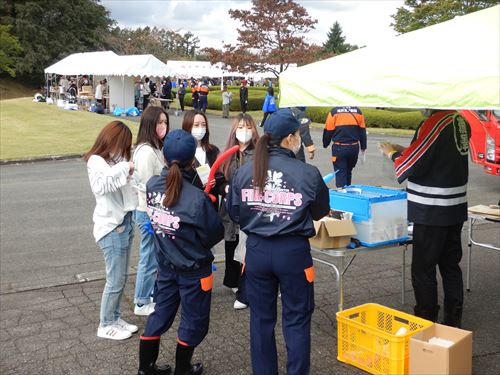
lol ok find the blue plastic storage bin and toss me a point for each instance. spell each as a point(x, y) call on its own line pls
point(379, 214)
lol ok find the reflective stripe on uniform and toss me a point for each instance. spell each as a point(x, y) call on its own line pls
point(437, 201)
point(436, 190)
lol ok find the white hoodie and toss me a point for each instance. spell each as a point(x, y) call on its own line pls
point(114, 193)
point(148, 162)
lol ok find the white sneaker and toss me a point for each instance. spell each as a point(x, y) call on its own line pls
point(113, 332)
point(144, 310)
point(126, 326)
point(235, 290)
point(239, 305)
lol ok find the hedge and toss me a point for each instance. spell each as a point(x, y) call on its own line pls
point(374, 118)
point(256, 97)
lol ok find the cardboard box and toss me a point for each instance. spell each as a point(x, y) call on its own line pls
point(332, 233)
point(426, 358)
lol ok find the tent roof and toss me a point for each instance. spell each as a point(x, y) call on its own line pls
point(454, 64)
point(196, 69)
point(144, 65)
point(108, 63)
point(98, 63)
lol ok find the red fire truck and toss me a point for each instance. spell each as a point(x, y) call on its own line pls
point(485, 139)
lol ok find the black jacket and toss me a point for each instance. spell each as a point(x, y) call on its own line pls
point(231, 229)
point(243, 94)
point(436, 165)
point(293, 197)
point(185, 232)
point(212, 155)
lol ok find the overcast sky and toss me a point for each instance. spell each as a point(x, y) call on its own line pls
point(363, 21)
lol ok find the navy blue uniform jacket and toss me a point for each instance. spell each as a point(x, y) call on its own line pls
point(294, 196)
point(185, 232)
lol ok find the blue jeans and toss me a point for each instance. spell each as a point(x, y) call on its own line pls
point(148, 265)
point(115, 247)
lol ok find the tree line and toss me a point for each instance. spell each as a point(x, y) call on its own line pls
point(37, 33)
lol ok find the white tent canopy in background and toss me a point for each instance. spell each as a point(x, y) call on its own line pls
point(451, 65)
point(144, 66)
point(119, 70)
point(97, 63)
point(196, 69)
point(108, 63)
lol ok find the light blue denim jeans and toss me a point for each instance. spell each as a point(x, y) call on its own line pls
point(115, 247)
point(148, 265)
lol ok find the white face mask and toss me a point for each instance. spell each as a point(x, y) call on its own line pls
point(296, 147)
point(198, 133)
point(243, 135)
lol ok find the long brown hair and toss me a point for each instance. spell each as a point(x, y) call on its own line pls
point(261, 159)
point(232, 141)
point(187, 125)
point(114, 140)
point(173, 182)
point(147, 127)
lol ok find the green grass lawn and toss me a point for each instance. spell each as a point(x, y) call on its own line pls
point(29, 129)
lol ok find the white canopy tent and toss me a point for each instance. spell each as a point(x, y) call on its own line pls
point(199, 69)
point(119, 71)
point(451, 65)
point(96, 63)
point(195, 69)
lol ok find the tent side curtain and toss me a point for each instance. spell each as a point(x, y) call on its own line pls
point(451, 65)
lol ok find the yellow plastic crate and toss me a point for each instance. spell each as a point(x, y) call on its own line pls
point(367, 338)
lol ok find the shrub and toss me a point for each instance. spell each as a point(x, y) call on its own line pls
point(255, 98)
point(375, 118)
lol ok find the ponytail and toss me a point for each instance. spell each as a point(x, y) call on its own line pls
point(260, 162)
point(173, 184)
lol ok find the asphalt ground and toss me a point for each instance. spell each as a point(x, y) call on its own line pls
point(52, 273)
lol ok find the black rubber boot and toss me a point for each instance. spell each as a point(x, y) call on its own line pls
point(148, 354)
point(428, 314)
point(453, 315)
point(183, 365)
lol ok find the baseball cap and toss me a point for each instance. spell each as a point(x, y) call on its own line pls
point(179, 145)
point(281, 123)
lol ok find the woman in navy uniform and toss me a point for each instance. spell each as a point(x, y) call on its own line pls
point(186, 227)
point(275, 199)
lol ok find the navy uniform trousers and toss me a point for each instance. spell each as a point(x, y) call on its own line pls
point(193, 292)
point(281, 262)
point(203, 103)
point(439, 246)
point(344, 158)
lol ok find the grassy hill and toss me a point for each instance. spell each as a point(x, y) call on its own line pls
point(10, 89)
point(29, 129)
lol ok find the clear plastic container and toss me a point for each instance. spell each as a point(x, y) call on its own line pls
point(380, 215)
